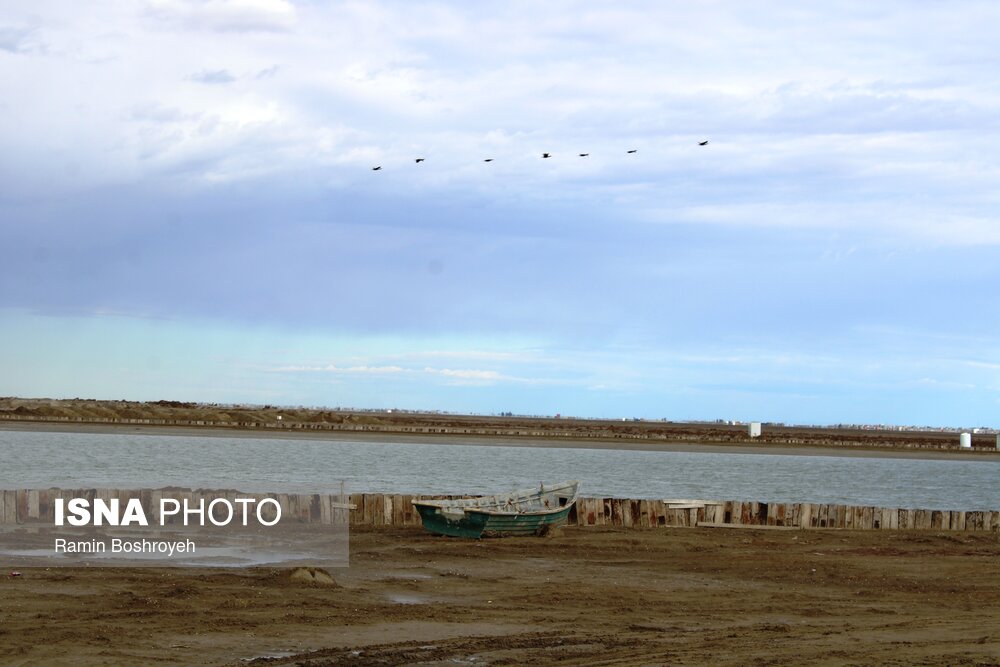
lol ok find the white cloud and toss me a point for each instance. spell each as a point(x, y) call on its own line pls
point(224, 15)
point(470, 376)
point(213, 77)
point(797, 106)
point(332, 368)
point(15, 39)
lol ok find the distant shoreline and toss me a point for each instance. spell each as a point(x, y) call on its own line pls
point(500, 441)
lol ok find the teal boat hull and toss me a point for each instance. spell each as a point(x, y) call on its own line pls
point(476, 524)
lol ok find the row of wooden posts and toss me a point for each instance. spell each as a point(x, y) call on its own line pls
point(37, 506)
point(397, 510)
point(382, 510)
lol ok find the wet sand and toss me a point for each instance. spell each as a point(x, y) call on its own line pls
point(694, 596)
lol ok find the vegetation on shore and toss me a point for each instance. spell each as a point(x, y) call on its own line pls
point(180, 413)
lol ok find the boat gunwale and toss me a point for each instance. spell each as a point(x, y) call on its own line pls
point(448, 503)
point(476, 510)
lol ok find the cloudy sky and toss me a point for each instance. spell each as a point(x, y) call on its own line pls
point(188, 208)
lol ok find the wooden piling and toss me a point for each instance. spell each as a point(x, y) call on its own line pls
point(746, 513)
point(658, 513)
point(805, 515)
point(616, 512)
point(18, 506)
point(10, 507)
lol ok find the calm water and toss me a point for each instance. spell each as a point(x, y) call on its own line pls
point(72, 460)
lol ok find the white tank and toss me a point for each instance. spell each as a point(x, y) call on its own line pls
point(965, 441)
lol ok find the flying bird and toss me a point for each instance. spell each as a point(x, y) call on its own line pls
point(376, 168)
point(703, 143)
point(632, 151)
point(419, 160)
point(544, 155)
point(489, 159)
point(584, 154)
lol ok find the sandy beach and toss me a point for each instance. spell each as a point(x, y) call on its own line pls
point(601, 596)
point(692, 596)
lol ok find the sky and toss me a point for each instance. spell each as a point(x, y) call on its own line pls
point(189, 210)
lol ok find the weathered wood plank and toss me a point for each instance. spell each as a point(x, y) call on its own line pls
point(22, 505)
point(326, 510)
point(389, 508)
point(727, 512)
point(644, 513)
point(805, 515)
point(316, 502)
point(628, 515)
point(592, 510)
point(792, 515)
point(10, 507)
point(33, 508)
point(358, 514)
point(369, 509)
point(411, 513)
point(286, 506)
point(398, 510)
point(616, 512)
point(780, 514)
point(658, 515)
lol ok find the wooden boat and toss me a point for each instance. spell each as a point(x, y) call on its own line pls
point(525, 512)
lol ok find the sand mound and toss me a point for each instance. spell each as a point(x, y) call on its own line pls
point(312, 575)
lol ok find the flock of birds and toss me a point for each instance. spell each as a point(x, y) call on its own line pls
point(544, 156)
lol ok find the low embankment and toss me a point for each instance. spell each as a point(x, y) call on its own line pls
point(558, 430)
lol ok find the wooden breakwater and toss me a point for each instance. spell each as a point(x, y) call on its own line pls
point(36, 506)
point(397, 510)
